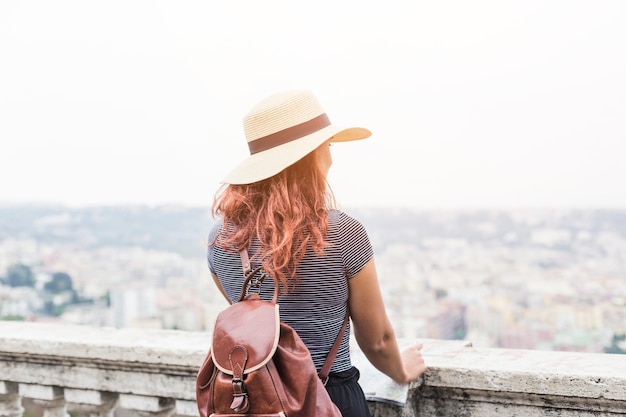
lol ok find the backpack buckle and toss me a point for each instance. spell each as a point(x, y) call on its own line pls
point(254, 282)
point(240, 403)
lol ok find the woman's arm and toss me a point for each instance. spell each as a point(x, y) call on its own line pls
point(374, 333)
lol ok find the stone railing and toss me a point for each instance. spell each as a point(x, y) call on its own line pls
point(62, 368)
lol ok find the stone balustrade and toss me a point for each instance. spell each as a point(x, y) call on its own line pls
point(152, 373)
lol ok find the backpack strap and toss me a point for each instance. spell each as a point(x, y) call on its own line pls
point(249, 277)
point(245, 261)
point(328, 363)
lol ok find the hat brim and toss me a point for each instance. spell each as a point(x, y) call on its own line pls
point(268, 163)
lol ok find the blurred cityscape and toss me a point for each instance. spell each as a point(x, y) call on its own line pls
point(532, 279)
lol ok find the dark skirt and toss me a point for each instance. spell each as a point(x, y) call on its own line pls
point(346, 393)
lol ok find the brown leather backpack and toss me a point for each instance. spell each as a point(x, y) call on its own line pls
point(258, 366)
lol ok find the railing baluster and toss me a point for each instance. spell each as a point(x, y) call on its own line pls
point(10, 400)
point(50, 398)
point(186, 408)
point(148, 406)
point(94, 403)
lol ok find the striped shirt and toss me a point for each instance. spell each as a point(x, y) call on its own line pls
point(316, 307)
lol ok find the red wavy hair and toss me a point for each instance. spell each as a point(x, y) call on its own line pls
point(287, 213)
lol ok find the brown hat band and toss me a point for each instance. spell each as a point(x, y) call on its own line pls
point(287, 135)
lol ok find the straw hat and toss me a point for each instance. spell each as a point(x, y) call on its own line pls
point(281, 130)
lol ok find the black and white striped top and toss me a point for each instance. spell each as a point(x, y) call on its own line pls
point(317, 306)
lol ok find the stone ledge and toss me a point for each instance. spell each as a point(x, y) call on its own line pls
point(460, 380)
point(34, 341)
point(581, 375)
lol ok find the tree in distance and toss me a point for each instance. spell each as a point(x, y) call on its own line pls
point(20, 275)
point(60, 282)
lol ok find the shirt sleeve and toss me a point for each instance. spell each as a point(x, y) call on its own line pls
point(211, 248)
point(355, 245)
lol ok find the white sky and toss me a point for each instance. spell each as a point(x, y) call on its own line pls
point(472, 103)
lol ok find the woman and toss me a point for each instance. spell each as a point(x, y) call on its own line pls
point(277, 204)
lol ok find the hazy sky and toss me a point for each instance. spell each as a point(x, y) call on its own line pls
point(472, 103)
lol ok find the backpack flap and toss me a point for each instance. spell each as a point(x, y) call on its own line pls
point(245, 336)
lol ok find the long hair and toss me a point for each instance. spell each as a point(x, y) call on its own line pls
point(287, 213)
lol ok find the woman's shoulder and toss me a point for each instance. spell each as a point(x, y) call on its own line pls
point(342, 220)
point(341, 215)
point(214, 230)
point(352, 241)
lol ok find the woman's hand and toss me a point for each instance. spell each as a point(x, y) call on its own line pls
point(413, 362)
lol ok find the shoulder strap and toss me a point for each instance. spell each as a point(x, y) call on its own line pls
point(245, 261)
point(328, 363)
point(249, 277)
